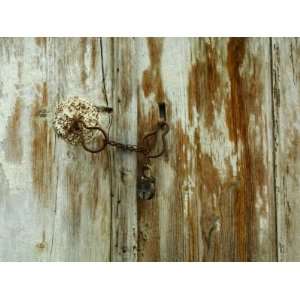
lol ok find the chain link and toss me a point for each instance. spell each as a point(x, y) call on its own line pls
point(128, 147)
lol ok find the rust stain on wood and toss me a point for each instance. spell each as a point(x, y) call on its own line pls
point(152, 81)
point(94, 53)
point(83, 74)
point(73, 183)
point(83, 186)
point(293, 154)
point(194, 95)
point(43, 244)
point(209, 191)
point(186, 193)
point(14, 149)
point(41, 41)
point(244, 103)
point(98, 163)
point(218, 198)
point(126, 76)
point(237, 124)
point(236, 107)
point(42, 147)
point(148, 211)
point(95, 186)
point(241, 105)
point(204, 81)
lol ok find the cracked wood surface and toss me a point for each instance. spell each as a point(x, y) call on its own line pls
point(228, 188)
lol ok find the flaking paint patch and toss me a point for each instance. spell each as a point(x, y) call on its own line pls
point(94, 53)
point(203, 87)
point(83, 48)
point(245, 99)
point(149, 243)
point(83, 177)
point(236, 103)
point(41, 41)
point(238, 129)
point(73, 183)
point(98, 164)
point(293, 154)
point(189, 194)
point(4, 183)
point(42, 148)
point(126, 74)
point(14, 147)
point(209, 190)
point(216, 190)
point(152, 80)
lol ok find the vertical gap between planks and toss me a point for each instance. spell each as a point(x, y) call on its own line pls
point(274, 145)
point(108, 150)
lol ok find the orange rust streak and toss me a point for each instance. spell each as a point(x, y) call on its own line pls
point(203, 86)
point(126, 77)
point(184, 167)
point(238, 125)
point(209, 189)
point(73, 180)
point(148, 211)
point(206, 99)
point(94, 53)
point(41, 41)
point(152, 81)
point(42, 149)
point(14, 149)
point(83, 74)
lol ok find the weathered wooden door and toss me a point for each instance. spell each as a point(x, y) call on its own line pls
point(227, 190)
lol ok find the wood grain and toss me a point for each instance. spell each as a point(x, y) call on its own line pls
point(215, 199)
point(227, 188)
point(56, 204)
point(285, 73)
point(83, 209)
point(123, 164)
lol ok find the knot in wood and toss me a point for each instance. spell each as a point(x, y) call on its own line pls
point(67, 115)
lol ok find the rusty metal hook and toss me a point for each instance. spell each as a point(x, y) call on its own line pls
point(160, 125)
point(105, 140)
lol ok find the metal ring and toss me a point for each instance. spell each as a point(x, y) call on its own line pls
point(104, 143)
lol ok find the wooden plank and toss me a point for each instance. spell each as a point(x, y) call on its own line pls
point(161, 71)
point(83, 211)
point(61, 211)
point(286, 93)
point(230, 99)
point(215, 199)
point(27, 153)
point(122, 78)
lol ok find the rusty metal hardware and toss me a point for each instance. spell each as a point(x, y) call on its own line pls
point(77, 121)
point(144, 149)
point(146, 182)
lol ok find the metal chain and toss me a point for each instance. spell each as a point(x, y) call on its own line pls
point(146, 183)
point(129, 147)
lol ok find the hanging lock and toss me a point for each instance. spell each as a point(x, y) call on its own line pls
point(146, 185)
point(77, 121)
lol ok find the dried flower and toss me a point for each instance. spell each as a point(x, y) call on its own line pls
point(66, 118)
